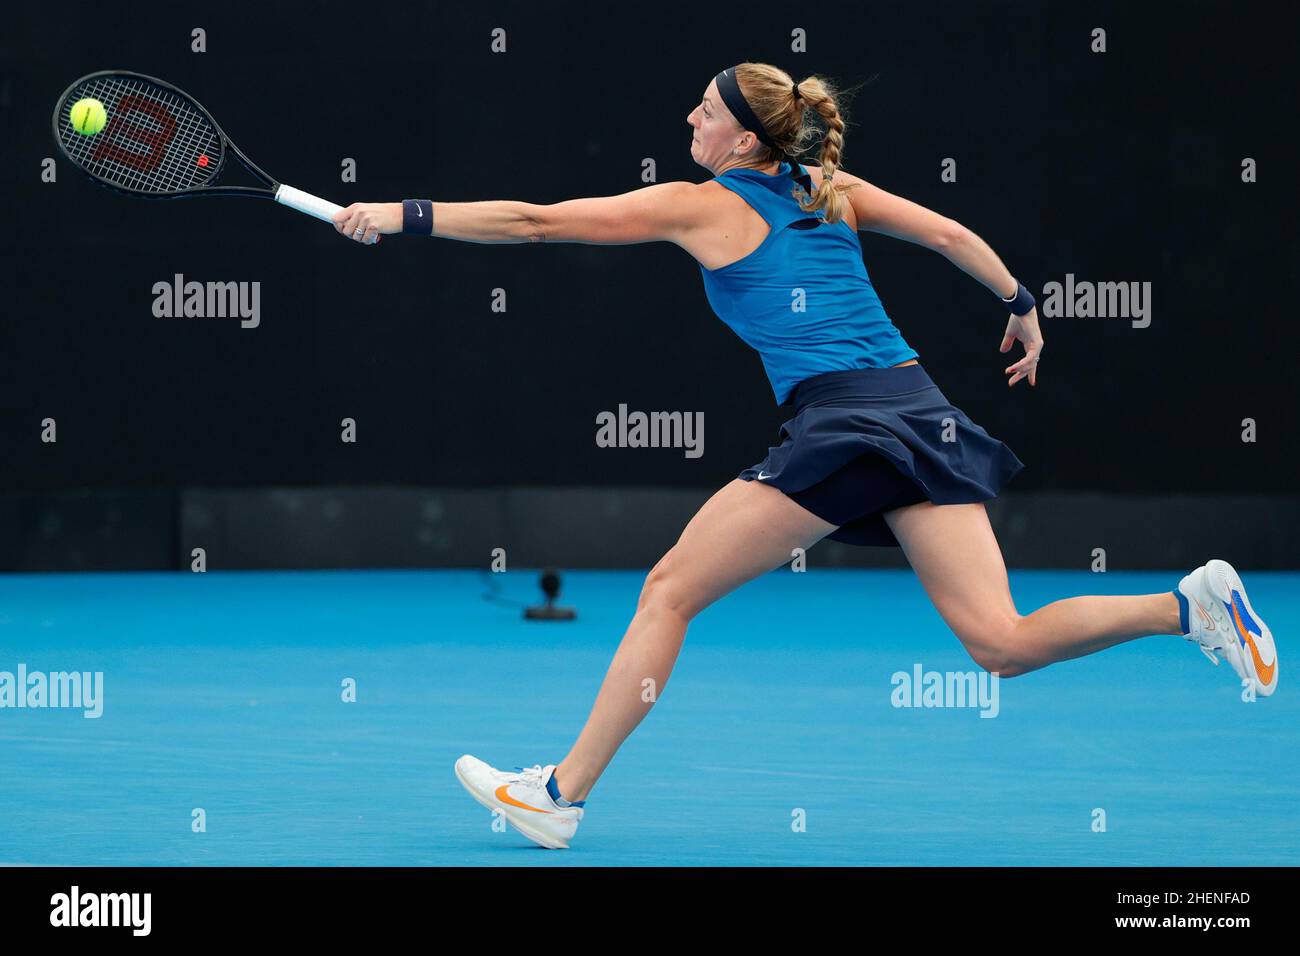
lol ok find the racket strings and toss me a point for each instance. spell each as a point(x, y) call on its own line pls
point(155, 141)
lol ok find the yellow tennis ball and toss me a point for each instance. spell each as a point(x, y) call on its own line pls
point(88, 116)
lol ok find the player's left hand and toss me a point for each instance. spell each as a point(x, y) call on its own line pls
point(1024, 329)
point(365, 222)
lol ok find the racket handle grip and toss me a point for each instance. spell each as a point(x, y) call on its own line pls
point(305, 202)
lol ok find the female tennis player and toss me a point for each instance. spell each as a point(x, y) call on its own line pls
point(874, 454)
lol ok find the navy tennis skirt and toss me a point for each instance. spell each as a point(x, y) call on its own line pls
point(865, 441)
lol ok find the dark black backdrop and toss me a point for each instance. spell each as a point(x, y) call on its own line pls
point(1123, 166)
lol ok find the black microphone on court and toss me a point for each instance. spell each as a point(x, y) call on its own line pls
point(550, 611)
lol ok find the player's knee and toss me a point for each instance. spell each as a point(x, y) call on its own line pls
point(663, 591)
point(993, 645)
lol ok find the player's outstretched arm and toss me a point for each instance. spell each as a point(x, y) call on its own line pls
point(662, 212)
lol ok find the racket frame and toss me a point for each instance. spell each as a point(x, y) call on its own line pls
point(227, 145)
point(283, 194)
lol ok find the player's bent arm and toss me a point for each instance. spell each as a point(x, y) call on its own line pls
point(890, 215)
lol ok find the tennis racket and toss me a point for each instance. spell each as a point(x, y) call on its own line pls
point(159, 143)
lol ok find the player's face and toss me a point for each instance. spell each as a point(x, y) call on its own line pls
point(714, 130)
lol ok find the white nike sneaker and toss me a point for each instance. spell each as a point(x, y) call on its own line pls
point(1221, 619)
point(523, 798)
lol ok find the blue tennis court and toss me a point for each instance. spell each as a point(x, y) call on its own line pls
point(224, 691)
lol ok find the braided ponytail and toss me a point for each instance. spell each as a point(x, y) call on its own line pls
point(783, 105)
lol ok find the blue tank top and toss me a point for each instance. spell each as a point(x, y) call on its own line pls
point(837, 322)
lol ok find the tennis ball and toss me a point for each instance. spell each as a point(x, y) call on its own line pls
point(88, 116)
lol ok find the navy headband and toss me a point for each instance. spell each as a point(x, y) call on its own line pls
point(729, 90)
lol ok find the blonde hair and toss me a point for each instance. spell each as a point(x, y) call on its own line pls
point(770, 94)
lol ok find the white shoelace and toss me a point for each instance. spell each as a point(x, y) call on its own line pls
point(531, 776)
point(1214, 641)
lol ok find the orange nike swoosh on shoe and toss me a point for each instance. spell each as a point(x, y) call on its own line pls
point(503, 794)
point(1265, 671)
